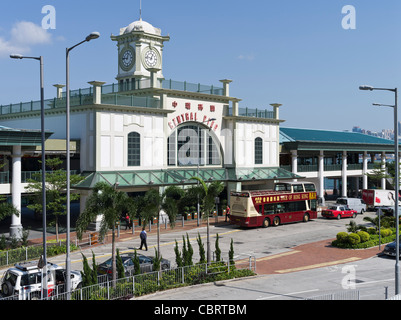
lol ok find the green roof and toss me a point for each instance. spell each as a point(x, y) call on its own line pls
point(181, 176)
point(21, 137)
point(314, 139)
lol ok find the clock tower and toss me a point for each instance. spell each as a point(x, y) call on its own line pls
point(140, 52)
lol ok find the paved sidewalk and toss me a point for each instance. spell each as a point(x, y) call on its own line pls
point(312, 255)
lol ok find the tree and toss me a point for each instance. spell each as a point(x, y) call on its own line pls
point(89, 276)
point(218, 250)
point(201, 249)
point(94, 269)
point(190, 252)
point(155, 202)
point(231, 254)
point(137, 266)
point(210, 193)
point(178, 257)
point(120, 266)
point(156, 261)
point(56, 184)
point(6, 209)
point(109, 202)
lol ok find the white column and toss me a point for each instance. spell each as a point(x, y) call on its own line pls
point(383, 170)
point(365, 170)
point(16, 226)
point(97, 91)
point(321, 176)
point(344, 174)
point(226, 87)
point(294, 162)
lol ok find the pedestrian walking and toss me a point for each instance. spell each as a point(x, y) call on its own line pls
point(143, 237)
point(127, 222)
point(228, 213)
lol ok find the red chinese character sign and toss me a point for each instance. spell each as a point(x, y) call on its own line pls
point(189, 111)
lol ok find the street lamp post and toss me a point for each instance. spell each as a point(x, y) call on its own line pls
point(397, 182)
point(198, 209)
point(42, 121)
point(92, 36)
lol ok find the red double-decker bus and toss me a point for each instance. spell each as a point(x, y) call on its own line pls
point(288, 202)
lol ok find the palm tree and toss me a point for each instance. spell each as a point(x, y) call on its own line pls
point(109, 202)
point(211, 192)
point(167, 201)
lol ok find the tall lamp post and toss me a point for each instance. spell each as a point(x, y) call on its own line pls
point(42, 121)
point(92, 36)
point(197, 168)
point(397, 182)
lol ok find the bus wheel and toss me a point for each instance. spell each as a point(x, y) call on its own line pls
point(276, 221)
point(266, 223)
point(306, 217)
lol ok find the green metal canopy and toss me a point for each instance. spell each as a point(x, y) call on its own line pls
point(181, 176)
point(328, 140)
point(20, 137)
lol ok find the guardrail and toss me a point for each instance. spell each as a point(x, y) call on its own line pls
point(137, 285)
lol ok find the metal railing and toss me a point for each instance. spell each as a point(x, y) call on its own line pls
point(342, 295)
point(137, 285)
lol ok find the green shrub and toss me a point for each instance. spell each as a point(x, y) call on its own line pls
point(353, 238)
point(363, 235)
point(385, 232)
point(372, 231)
point(342, 236)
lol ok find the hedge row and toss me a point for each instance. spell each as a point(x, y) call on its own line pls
point(362, 239)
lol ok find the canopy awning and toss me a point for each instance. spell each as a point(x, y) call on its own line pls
point(181, 176)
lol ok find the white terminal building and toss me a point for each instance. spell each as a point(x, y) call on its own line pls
point(148, 132)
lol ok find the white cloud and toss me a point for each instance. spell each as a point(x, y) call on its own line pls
point(24, 35)
point(248, 57)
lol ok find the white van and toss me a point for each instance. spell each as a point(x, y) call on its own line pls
point(353, 203)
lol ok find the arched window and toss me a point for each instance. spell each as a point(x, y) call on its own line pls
point(134, 149)
point(258, 151)
point(186, 148)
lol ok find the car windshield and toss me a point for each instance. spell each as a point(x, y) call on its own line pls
point(333, 208)
point(144, 259)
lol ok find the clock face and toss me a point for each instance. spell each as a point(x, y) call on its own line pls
point(151, 58)
point(127, 58)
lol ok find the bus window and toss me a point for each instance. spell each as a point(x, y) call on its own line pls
point(280, 208)
point(309, 187)
point(282, 187)
point(298, 188)
point(313, 205)
point(269, 208)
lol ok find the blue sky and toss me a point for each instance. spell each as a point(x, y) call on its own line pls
point(291, 52)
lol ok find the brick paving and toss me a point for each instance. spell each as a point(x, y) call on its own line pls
point(312, 255)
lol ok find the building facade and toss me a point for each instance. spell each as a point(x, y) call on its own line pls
point(148, 132)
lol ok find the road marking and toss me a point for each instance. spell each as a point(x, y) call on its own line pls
point(319, 265)
point(287, 294)
point(279, 255)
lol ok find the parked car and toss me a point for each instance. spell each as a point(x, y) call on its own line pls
point(389, 249)
point(338, 212)
point(24, 280)
point(145, 262)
